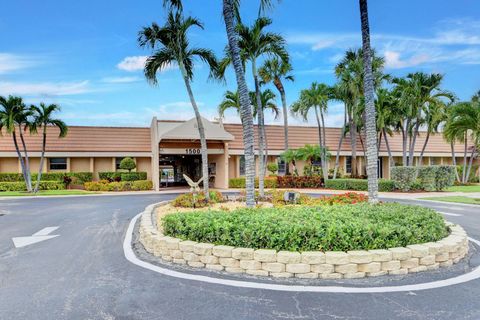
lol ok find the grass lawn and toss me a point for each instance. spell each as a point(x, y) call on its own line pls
point(472, 188)
point(457, 199)
point(45, 193)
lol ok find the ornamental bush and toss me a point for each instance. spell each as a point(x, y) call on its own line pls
point(431, 178)
point(198, 200)
point(272, 167)
point(404, 177)
point(106, 185)
point(133, 176)
point(427, 177)
point(299, 181)
point(128, 163)
point(20, 186)
point(239, 183)
point(305, 228)
point(77, 177)
point(445, 177)
point(384, 185)
point(110, 175)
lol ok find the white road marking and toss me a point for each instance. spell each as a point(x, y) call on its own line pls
point(450, 214)
point(39, 236)
point(130, 256)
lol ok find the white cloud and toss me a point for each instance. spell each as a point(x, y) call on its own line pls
point(45, 88)
point(393, 60)
point(136, 63)
point(121, 79)
point(10, 62)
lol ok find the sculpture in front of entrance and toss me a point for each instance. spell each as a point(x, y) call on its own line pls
point(193, 185)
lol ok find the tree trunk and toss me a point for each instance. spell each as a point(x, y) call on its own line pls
point(324, 149)
point(201, 131)
point(464, 160)
point(413, 141)
point(337, 158)
point(42, 158)
point(261, 132)
point(454, 161)
point(390, 158)
point(285, 122)
point(404, 146)
point(27, 162)
point(353, 142)
point(371, 128)
point(470, 162)
point(420, 159)
point(246, 112)
point(20, 157)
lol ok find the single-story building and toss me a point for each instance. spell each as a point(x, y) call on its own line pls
point(168, 149)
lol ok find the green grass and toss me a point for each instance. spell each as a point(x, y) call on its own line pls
point(456, 199)
point(45, 193)
point(472, 188)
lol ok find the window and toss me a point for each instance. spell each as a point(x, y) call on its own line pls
point(282, 166)
point(348, 164)
point(434, 161)
point(117, 163)
point(58, 163)
point(242, 165)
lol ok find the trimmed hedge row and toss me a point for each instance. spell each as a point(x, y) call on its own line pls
point(20, 186)
point(77, 177)
point(299, 182)
point(239, 183)
point(431, 178)
point(122, 176)
point(105, 185)
point(303, 228)
point(359, 185)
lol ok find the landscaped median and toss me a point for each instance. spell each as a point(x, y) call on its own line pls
point(303, 241)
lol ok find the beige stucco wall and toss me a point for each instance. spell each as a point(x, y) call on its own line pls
point(221, 170)
point(79, 164)
point(145, 164)
point(102, 164)
point(9, 165)
point(233, 167)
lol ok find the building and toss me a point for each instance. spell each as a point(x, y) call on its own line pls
point(168, 149)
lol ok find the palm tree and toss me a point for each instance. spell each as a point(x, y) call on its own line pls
point(385, 104)
point(254, 42)
point(316, 98)
point(435, 115)
point(312, 153)
point(11, 116)
point(170, 45)
point(43, 117)
point(290, 156)
point(231, 100)
point(274, 70)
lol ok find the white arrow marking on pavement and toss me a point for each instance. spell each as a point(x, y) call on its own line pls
point(39, 236)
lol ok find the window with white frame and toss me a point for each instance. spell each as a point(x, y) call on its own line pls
point(58, 163)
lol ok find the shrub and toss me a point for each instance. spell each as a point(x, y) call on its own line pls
point(80, 177)
point(473, 172)
point(110, 175)
point(20, 186)
point(309, 170)
point(299, 181)
point(384, 185)
point(106, 185)
point(198, 200)
point(272, 167)
point(445, 177)
point(133, 176)
point(427, 176)
point(302, 228)
point(239, 183)
point(404, 177)
point(277, 198)
point(128, 163)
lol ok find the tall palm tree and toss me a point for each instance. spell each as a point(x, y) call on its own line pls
point(315, 98)
point(371, 128)
point(435, 115)
point(255, 42)
point(274, 70)
point(11, 117)
point(43, 118)
point(170, 45)
point(385, 104)
point(231, 100)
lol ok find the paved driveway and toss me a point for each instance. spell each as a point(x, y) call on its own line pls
point(83, 274)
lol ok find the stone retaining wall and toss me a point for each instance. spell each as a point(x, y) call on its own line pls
point(313, 264)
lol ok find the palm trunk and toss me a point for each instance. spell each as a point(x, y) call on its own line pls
point(42, 158)
point(20, 157)
point(371, 128)
point(470, 162)
point(337, 158)
point(246, 112)
point(390, 158)
point(261, 133)
point(414, 140)
point(404, 144)
point(285, 122)
point(464, 160)
point(420, 159)
point(454, 161)
point(27, 162)
point(201, 131)
point(323, 150)
point(353, 142)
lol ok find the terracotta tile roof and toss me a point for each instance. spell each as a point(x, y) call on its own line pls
point(86, 139)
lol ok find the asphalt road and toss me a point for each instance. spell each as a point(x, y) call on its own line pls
point(83, 274)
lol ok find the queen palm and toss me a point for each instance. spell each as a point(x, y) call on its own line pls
point(254, 43)
point(274, 70)
point(44, 118)
point(315, 98)
point(170, 45)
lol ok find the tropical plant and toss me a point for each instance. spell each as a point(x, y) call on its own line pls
point(231, 100)
point(44, 118)
point(385, 106)
point(274, 70)
point(170, 45)
point(315, 98)
point(290, 156)
point(128, 163)
point(313, 153)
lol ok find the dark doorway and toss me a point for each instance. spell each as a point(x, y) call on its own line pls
point(173, 167)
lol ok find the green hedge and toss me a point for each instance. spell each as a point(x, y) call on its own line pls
point(358, 184)
point(109, 175)
point(239, 183)
point(77, 177)
point(138, 185)
point(302, 228)
point(431, 178)
point(473, 172)
point(20, 186)
point(122, 176)
point(299, 181)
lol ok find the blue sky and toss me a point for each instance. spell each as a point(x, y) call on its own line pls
point(84, 56)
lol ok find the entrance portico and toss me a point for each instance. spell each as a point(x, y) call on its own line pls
point(176, 151)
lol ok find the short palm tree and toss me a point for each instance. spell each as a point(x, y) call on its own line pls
point(274, 70)
point(268, 102)
point(231, 100)
point(170, 45)
point(44, 118)
point(315, 98)
point(14, 114)
point(290, 156)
